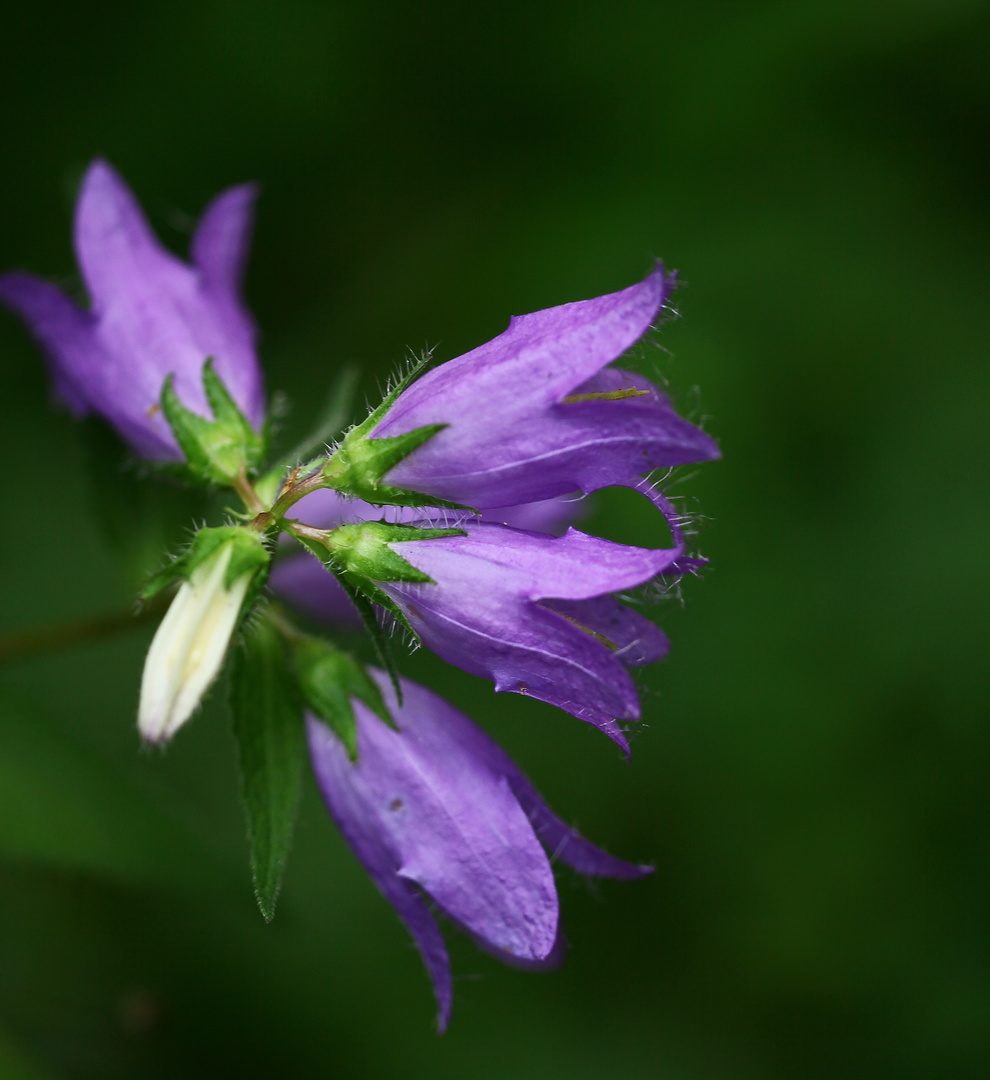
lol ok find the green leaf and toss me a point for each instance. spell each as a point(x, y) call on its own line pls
point(268, 727)
point(329, 679)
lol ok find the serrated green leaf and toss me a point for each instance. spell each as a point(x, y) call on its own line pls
point(268, 728)
point(329, 679)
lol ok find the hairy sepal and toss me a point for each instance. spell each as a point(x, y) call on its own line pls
point(249, 556)
point(217, 450)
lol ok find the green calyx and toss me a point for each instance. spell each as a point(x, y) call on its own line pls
point(359, 557)
point(217, 451)
point(248, 555)
point(359, 463)
point(329, 680)
point(363, 549)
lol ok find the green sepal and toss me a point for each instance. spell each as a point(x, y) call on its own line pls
point(363, 549)
point(249, 556)
point(328, 680)
point(362, 593)
point(371, 421)
point(168, 575)
point(215, 450)
point(357, 466)
point(267, 717)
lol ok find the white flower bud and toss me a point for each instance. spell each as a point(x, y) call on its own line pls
point(189, 646)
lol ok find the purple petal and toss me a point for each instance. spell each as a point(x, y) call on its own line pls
point(326, 509)
point(636, 640)
point(114, 243)
point(305, 583)
point(562, 842)
point(552, 516)
point(346, 804)
point(567, 844)
point(559, 839)
point(540, 446)
point(480, 613)
point(459, 831)
point(63, 330)
point(423, 805)
point(223, 238)
point(552, 961)
point(575, 566)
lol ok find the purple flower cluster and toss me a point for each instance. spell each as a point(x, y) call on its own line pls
point(523, 426)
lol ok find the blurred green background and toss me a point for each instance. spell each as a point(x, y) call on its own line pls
point(810, 775)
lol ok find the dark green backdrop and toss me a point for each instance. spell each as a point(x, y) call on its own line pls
point(810, 779)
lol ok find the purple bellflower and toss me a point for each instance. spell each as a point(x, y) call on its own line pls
point(536, 413)
point(303, 581)
point(150, 315)
point(437, 808)
point(535, 614)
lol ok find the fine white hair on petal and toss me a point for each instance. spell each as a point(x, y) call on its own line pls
point(189, 647)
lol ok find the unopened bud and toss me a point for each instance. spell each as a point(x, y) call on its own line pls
point(189, 647)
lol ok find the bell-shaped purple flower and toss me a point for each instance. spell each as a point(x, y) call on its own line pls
point(536, 413)
point(535, 614)
point(150, 314)
point(437, 808)
point(304, 582)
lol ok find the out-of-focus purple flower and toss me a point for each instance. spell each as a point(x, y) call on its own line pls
point(536, 413)
point(436, 807)
point(150, 314)
point(303, 581)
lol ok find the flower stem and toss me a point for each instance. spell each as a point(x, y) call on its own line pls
point(245, 489)
point(24, 644)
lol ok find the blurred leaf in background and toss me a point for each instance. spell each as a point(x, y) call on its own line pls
point(810, 779)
